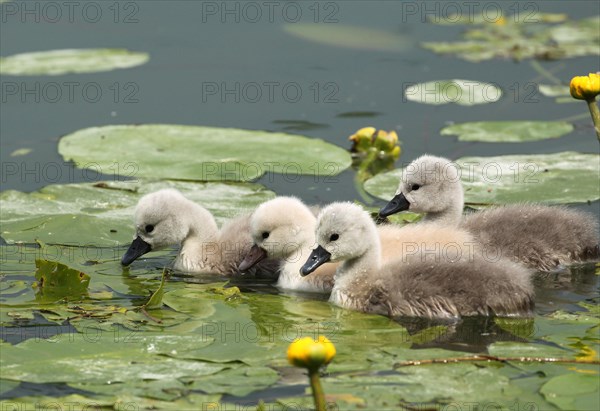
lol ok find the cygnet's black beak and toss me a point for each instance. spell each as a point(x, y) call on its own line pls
point(318, 257)
point(137, 248)
point(396, 204)
point(254, 256)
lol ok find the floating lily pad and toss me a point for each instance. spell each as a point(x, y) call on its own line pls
point(462, 92)
point(6, 385)
point(56, 62)
point(101, 358)
point(238, 382)
point(21, 152)
point(508, 131)
point(353, 37)
point(56, 281)
point(202, 153)
point(566, 177)
point(517, 350)
point(554, 90)
point(573, 391)
point(101, 214)
point(520, 38)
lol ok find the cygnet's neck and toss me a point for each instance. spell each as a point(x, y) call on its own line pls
point(450, 216)
point(200, 248)
point(289, 276)
point(362, 265)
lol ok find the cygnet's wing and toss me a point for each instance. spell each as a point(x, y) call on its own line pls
point(541, 237)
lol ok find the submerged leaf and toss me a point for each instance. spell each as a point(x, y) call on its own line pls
point(202, 153)
point(554, 90)
point(508, 131)
point(56, 62)
point(21, 152)
point(353, 37)
point(462, 92)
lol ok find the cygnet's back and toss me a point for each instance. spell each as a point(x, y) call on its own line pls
point(414, 287)
point(429, 240)
point(541, 237)
point(437, 285)
point(538, 236)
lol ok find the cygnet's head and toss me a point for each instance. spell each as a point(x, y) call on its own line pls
point(279, 227)
point(429, 185)
point(344, 231)
point(160, 221)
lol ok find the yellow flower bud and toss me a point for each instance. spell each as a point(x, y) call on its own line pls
point(585, 87)
point(362, 139)
point(500, 21)
point(366, 131)
point(306, 352)
point(386, 141)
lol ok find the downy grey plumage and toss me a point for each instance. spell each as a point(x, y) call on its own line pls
point(541, 237)
point(442, 285)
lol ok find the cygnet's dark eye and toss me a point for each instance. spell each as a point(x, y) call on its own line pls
point(334, 237)
point(415, 187)
point(149, 228)
point(265, 235)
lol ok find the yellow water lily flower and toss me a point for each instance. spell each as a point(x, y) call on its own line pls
point(362, 139)
point(309, 353)
point(500, 21)
point(585, 87)
point(386, 140)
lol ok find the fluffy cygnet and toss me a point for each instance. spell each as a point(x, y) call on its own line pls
point(443, 285)
point(283, 228)
point(166, 218)
point(541, 237)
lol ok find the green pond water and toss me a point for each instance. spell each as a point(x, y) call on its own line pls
point(323, 74)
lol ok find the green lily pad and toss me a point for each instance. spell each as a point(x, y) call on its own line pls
point(451, 383)
point(520, 39)
point(353, 37)
point(56, 281)
point(462, 92)
point(56, 62)
point(560, 178)
point(554, 90)
point(201, 153)
point(508, 131)
point(514, 349)
point(238, 382)
point(6, 385)
point(574, 33)
point(101, 214)
point(21, 152)
point(573, 391)
point(100, 358)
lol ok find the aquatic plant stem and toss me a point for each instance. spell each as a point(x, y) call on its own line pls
point(317, 390)
point(544, 73)
point(477, 358)
point(595, 115)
